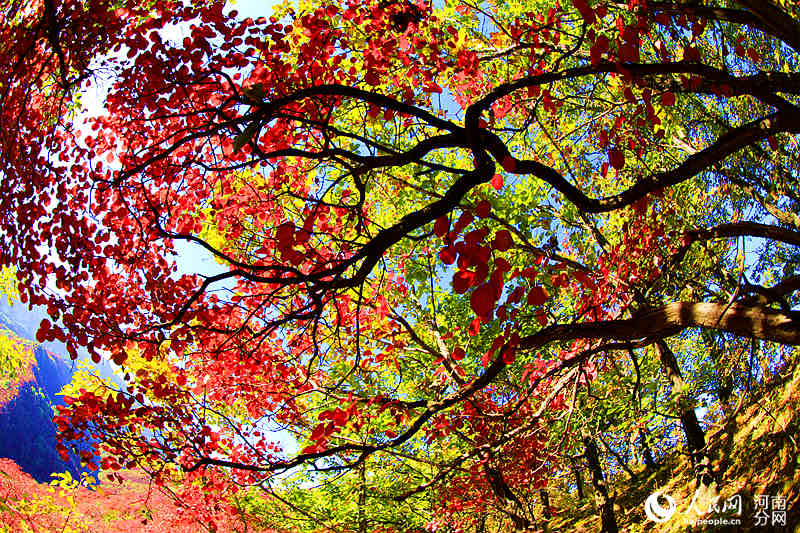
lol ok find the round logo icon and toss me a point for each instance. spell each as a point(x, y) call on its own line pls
point(655, 512)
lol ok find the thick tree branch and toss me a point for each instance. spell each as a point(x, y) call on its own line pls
point(746, 321)
point(761, 16)
point(775, 21)
point(750, 229)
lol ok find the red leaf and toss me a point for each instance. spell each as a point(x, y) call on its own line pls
point(629, 53)
point(541, 318)
point(475, 237)
point(318, 433)
point(502, 265)
point(602, 44)
point(44, 328)
point(537, 296)
point(448, 255)
point(463, 221)
point(339, 417)
point(441, 226)
point(691, 54)
point(773, 142)
point(458, 353)
point(668, 98)
point(462, 280)
point(584, 280)
point(483, 208)
point(586, 12)
point(502, 240)
point(284, 234)
point(475, 327)
point(616, 158)
point(119, 357)
point(497, 182)
point(601, 10)
point(502, 314)
point(482, 300)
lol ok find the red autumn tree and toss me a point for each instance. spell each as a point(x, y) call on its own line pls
point(437, 228)
point(134, 505)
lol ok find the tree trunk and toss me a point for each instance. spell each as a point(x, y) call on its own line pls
point(647, 454)
point(545, 504)
point(578, 478)
point(695, 436)
point(509, 501)
point(605, 502)
point(362, 499)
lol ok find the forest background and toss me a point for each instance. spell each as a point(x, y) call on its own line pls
point(473, 262)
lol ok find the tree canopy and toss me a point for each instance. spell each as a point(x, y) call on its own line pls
point(463, 248)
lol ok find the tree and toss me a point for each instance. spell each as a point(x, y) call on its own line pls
point(441, 230)
point(69, 504)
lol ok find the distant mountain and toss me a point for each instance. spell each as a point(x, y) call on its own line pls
point(24, 322)
point(29, 436)
point(28, 433)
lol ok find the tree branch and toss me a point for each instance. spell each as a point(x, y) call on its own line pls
point(746, 321)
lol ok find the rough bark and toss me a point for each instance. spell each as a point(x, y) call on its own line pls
point(576, 471)
point(752, 321)
point(605, 502)
point(695, 436)
point(509, 501)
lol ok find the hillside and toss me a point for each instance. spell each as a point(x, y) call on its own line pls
point(27, 400)
point(26, 421)
point(756, 453)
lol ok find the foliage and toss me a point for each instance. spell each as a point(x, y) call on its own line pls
point(16, 356)
point(83, 505)
point(8, 285)
point(16, 364)
point(756, 446)
point(458, 242)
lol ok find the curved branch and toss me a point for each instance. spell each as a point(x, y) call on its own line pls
point(726, 145)
point(775, 21)
point(761, 16)
point(747, 321)
point(381, 100)
point(749, 229)
point(745, 85)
